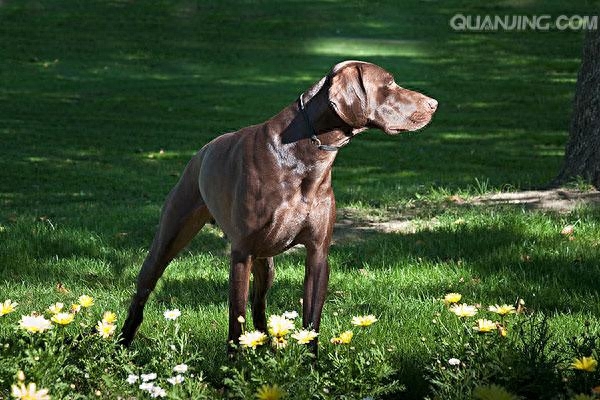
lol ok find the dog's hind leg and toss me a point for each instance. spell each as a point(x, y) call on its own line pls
point(263, 270)
point(183, 215)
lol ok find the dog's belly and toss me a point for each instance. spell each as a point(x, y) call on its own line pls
point(269, 232)
point(263, 232)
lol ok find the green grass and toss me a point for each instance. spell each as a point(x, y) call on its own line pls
point(93, 91)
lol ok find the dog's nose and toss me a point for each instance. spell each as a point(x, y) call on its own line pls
point(432, 103)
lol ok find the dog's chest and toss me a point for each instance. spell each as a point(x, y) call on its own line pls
point(279, 231)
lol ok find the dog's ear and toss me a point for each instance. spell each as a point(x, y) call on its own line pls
point(348, 96)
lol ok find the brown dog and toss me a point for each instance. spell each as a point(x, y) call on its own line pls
point(268, 187)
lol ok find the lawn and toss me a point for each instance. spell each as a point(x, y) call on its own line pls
point(102, 103)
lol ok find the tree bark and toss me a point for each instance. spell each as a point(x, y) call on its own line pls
point(582, 153)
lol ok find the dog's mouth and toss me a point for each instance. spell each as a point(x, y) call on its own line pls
point(416, 121)
point(394, 130)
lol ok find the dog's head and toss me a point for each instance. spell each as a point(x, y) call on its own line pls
point(366, 96)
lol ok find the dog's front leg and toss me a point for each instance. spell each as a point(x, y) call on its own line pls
point(239, 282)
point(263, 270)
point(316, 279)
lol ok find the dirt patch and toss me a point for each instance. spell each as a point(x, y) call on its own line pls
point(560, 200)
point(350, 230)
point(352, 227)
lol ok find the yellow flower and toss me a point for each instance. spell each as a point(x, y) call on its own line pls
point(86, 301)
point(29, 392)
point(269, 392)
point(279, 343)
point(75, 308)
point(253, 339)
point(344, 338)
point(304, 336)
point(504, 309)
point(7, 307)
point(587, 364)
point(364, 320)
point(34, 323)
point(105, 330)
point(279, 326)
point(484, 326)
point(463, 310)
point(63, 318)
point(109, 317)
point(452, 298)
point(56, 308)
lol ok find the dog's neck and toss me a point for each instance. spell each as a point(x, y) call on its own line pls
point(322, 121)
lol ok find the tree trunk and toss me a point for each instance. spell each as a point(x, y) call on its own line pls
point(582, 154)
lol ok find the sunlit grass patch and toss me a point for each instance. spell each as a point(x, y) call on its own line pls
point(361, 47)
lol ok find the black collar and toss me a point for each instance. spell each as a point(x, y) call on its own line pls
point(313, 137)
